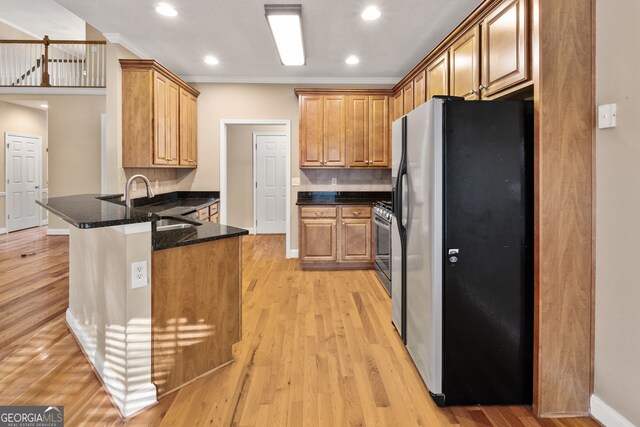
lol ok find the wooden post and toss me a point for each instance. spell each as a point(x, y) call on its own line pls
point(45, 63)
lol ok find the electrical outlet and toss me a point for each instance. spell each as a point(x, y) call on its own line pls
point(156, 184)
point(139, 276)
point(334, 181)
point(295, 182)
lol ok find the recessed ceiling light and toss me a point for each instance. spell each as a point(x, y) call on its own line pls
point(44, 106)
point(285, 24)
point(211, 60)
point(166, 10)
point(371, 13)
point(352, 60)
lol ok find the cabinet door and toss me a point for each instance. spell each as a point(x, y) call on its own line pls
point(188, 129)
point(311, 130)
point(437, 76)
point(419, 89)
point(160, 152)
point(504, 47)
point(398, 104)
point(464, 57)
point(358, 130)
point(334, 131)
point(318, 239)
point(379, 147)
point(172, 122)
point(355, 239)
point(408, 97)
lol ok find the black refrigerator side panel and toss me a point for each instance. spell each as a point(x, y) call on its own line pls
point(488, 286)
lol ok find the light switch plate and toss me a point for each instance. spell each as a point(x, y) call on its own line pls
point(139, 277)
point(334, 181)
point(607, 116)
point(295, 182)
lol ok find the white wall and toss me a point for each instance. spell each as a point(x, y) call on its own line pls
point(617, 329)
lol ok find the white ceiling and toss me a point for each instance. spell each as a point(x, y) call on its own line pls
point(38, 18)
point(236, 32)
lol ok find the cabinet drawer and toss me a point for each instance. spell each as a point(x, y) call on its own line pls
point(203, 214)
point(355, 212)
point(318, 212)
point(214, 218)
point(213, 209)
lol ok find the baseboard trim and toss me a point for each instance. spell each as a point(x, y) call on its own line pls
point(44, 222)
point(4, 230)
point(293, 253)
point(58, 232)
point(607, 415)
point(127, 403)
point(251, 230)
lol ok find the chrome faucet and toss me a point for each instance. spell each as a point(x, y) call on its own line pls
point(127, 193)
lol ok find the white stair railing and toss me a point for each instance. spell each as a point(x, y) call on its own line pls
point(61, 63)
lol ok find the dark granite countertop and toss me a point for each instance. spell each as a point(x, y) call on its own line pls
point(101, 210)
point(205, 232)
point(342, 197)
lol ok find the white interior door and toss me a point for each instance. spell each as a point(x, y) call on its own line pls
point(23, 159)
point(271, 183)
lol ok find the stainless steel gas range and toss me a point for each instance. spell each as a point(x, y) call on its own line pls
point(382, 243)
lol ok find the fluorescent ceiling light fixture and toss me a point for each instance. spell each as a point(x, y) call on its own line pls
point(166, 10)
point(285, 23)
point(371, 13)
point(211, 60)
point(44, 106)
point(352, 60)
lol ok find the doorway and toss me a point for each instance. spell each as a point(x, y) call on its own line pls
point(225, 168)
point(270, 190)
point(23, 165)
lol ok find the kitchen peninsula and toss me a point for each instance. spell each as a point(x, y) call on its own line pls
point(154, 293)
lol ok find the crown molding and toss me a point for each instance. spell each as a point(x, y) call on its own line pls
point(124, 42)
point(295, 80)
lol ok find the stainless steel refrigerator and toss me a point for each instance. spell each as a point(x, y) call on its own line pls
point(462, 248)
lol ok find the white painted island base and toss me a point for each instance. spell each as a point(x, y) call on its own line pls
point(110, 320)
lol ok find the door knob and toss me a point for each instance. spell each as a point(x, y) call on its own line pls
point(453, 255)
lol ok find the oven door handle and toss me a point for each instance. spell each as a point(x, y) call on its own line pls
point(382, 224)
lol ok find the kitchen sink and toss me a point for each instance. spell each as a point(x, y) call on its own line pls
point(166, 223)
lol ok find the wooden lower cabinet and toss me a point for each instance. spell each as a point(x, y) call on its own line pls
point(318, 238)
point(335, 237)
point(355, 242)
point(195, 310)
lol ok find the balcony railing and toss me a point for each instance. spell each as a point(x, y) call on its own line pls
point(53, 63)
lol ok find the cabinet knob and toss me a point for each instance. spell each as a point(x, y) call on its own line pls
point(482, 87)
point(356, 213)
point(472, 92)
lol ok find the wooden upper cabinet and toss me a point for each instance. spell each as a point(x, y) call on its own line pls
point(188, 129)
point(505, 47)
point(464, 57)
point(334, 131)
point(379, 147)
point(398, 104)
point(165, 150)
point(437, 76)
point(159, 117)
point(368, 131)
point(358, 130)
point(311, 130)
point(419, 89)
point(341, 129)
point(408, 97)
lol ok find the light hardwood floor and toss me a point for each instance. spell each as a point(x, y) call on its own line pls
point(318, 349)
